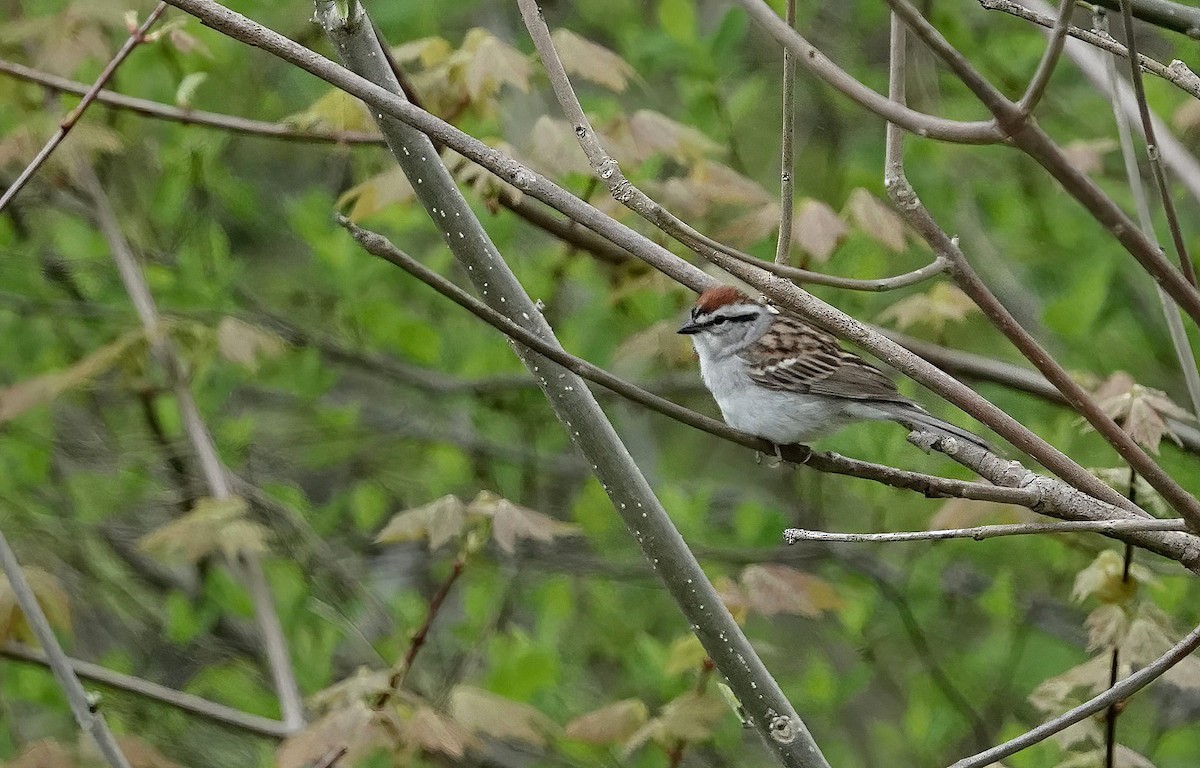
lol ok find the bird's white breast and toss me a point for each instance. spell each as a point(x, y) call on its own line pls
point(778, 416)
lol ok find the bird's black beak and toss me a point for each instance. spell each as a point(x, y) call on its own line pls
point(689, 328)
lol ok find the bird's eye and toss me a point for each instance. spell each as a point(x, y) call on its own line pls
point(719, 321)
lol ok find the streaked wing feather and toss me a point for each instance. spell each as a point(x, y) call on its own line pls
point(795, 357)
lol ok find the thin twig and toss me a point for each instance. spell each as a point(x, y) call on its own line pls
point(136, 38)
point(1035, 142)
point(212, 469)
point(981, 532)
point(1171, 313)
point(1177, 73)
point(419, 637)
point(186, 702)
point(902, 193)
point(197, 117)
point(806, 276)
point(627, 193)
point(809, 57)
point(1163, 13)
point(1119, 692)
point(1156, 166)
point(1050, 57)
point(787, 148)
point(83, 707)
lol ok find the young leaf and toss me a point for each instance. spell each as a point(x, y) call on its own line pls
point(336, 110)
point(1107, 627)
point(438, 521)
point(1087, 155)
point(876, 219)
point(1103, 579)
point(612, 724)
point(943, 303)
point(690, 717)
point(817, 229)
point(213, 525)
point(49, 594)
point(429, 51)
point(734, 598)
point(1148, 498)
point(488, 714)
point(511, 522)
point(654, 133)
point(376, 193)
point(354, 728)
point(26, 395)
point(774, 588)
point(487, 63)
point(246, 344)
point(365, 685)
point(685, 655)
point(188, 87)
point(1142, 412)
point(555, 150)
point(591, 61)
point(719, 183)
point(432, 731)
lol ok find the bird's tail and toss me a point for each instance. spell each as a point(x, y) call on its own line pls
point(917, 419)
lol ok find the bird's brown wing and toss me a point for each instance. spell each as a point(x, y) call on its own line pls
point(796, 357)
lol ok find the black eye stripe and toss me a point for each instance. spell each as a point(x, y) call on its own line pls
point(745, 318)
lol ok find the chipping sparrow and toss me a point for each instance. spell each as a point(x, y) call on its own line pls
point(788, 382)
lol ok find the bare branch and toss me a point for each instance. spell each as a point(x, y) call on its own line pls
point(905, 198)
point(186, 702)
point(83, 708)
point(136, 38)
point(1119, 692)
point(1179, 339)
point(807, 276)
point(213, 470)
point(1050, 57)
point(1156, 166)
point(1179, 76)
point(1163, 13)
point(174, 114)
point(787, 141)
point(983, 132)
point(776, 720)
point(1031, 139)
point(981, 532)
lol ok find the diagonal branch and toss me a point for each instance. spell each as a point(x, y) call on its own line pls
point(1119, 692)
point(809, 57)
point(1033, 141)
point(1178, 334)
point(1050, 57)
point(787, 149)
point(1156, 166)
point(82, 707)
point(186, 702)
point(1177, 73)
point(910, 206)
point(213, 470)
point(773, 715)
point(136, 38)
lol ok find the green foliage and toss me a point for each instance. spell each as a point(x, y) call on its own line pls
point(366, 410)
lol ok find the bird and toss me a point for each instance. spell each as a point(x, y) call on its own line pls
point(781, 379)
